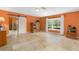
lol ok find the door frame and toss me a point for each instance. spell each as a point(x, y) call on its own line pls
point(25, 25)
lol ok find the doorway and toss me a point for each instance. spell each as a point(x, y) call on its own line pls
point(22, 28)
point(36, 26)
point(17, 25)
point(13, 23)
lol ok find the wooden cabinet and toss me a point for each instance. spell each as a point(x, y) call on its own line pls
point(71, 35)
point(3, 38)
point(31, 28)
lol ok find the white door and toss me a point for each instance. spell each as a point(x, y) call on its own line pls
point(22, 25)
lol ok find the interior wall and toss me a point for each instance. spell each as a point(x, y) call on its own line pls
point(69, 19)
point(73, 20)
point(6, 22)
point(12, 20)
point(43, 23)
point(30, 19)
point(6, 17)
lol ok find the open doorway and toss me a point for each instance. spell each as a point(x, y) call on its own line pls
point(17, 25)
point(36, 26)
point(13, 25)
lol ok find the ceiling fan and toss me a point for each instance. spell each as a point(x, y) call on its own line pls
point(43, 8)
point(40, 8)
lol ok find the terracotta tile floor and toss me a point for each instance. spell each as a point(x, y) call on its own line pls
point(40, 41)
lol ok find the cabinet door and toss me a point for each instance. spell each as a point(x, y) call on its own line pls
point(4, 38)
point(31, 27)
point(1, 40)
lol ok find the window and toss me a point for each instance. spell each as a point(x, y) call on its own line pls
point(53, 24)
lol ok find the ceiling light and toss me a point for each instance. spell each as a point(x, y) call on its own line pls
point(43, 8)
point(37, 9)
point(2, 19)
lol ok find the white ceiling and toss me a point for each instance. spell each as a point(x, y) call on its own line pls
point(42, 12)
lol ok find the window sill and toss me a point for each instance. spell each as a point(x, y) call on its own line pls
point(54, 29)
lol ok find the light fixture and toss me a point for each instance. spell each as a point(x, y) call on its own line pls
point(37, 9)
point(40, 8)
point(43, 8)
point(2, 19)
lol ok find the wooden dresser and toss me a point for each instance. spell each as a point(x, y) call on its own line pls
point(3, 38)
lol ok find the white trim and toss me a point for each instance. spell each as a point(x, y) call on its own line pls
point(54, 29)
point(62, 25)
point(47, 25)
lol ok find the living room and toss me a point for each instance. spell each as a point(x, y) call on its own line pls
point(34, 22)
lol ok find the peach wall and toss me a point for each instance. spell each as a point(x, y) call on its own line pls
point(29, 20)
point(72, 19)
point(6, 22)
point(69, 19)
point(4, 14)
point(43, 23)
point(14, 20)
